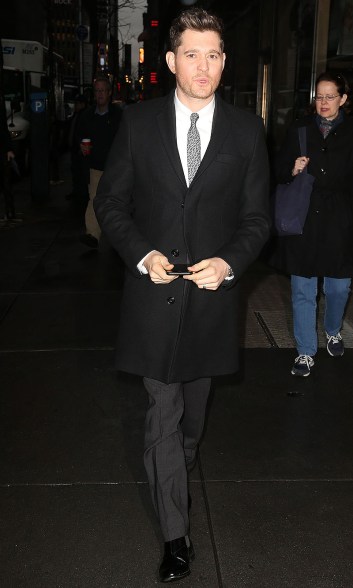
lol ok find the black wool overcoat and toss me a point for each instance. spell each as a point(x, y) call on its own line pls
point(326, 246)
point(178, 332)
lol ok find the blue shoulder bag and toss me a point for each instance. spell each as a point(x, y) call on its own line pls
point(292, 200)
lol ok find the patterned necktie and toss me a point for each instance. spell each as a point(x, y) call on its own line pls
point(193, 147)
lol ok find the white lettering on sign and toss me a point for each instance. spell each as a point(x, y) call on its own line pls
point(62, 1)
point(7, 50)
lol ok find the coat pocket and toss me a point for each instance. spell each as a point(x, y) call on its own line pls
point(226, 158)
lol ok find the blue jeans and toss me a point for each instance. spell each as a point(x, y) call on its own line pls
point(304, 303)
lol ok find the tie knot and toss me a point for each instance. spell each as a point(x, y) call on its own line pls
point(194, 118)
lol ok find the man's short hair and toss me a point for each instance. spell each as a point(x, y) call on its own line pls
point(195, 19)
point(103, 79)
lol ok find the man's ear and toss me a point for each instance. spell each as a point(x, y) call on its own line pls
point(170, 59)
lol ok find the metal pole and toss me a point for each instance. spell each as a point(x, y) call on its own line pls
point(81, 46)
point(319, 61)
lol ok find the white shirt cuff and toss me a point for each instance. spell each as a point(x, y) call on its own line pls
point(141, 268)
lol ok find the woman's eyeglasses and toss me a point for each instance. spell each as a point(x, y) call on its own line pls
point(329, 98)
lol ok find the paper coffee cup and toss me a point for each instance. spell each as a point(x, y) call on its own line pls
point(87, 143)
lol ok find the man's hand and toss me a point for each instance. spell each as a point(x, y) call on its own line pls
point(209, 273)
point(157, 265)
point(10, 155)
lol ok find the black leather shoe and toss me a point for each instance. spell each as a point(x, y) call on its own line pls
point(89, 240)
point(176, 559)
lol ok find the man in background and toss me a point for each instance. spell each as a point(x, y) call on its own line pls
point(79, 171)
point(6, 155)
point(99, 123)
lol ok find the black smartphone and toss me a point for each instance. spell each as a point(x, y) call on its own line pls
point(180, 269)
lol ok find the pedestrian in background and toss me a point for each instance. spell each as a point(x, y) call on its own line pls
point(79, 170)
point(6, 156)
point(324, 252)
point(186, 182)
point(99, 124)
point(56, 149)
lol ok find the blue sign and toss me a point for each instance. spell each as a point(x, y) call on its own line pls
point(38, 101)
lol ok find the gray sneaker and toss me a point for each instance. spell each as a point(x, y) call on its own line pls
point(302, 365)
point(335, 345)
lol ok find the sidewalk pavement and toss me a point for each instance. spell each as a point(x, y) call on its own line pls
point(272, 492)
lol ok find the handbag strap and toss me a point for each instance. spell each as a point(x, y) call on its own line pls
point(302, 143)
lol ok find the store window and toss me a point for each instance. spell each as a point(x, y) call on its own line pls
point(340, 39)
point(292, 65)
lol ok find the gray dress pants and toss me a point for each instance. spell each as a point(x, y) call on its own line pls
point(173, 428)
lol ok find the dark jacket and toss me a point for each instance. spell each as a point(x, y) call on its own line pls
point(178, 332)
point(326, 246)
point(5, 137)
point(101, 129)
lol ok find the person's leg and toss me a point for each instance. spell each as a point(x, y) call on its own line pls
point(195, 401)
point(164, 457)
point(304, 304)
point(336, 292)
point(92, 226)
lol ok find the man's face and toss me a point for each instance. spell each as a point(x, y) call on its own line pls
point(197, 64)
point(102, 93)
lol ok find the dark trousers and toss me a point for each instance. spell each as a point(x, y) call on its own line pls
point(173, 428)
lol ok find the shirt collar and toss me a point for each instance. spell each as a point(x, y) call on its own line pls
point(101, 113)
point(205, 112)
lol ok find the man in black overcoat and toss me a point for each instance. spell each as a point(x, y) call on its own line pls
point(159, 207)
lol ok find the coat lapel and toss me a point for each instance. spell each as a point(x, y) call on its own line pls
point(167, 128)
point(220, 129)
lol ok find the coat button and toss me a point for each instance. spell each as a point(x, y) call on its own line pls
point(171, 300)
point(324, 149)
point(175, 252)
point(323, 171)
point(182, 204)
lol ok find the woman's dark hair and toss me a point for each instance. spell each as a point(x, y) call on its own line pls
point(195, 19)
point(338, 79)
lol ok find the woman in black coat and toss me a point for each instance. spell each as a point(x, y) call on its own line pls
point(325, 250)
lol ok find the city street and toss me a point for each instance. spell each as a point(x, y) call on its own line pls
point(272, 491)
